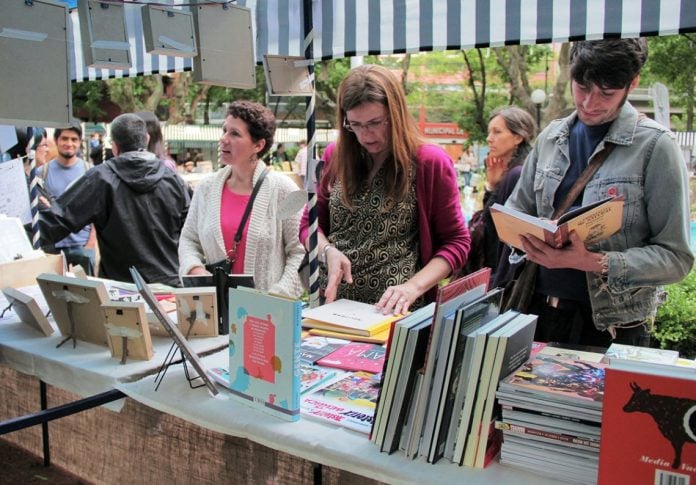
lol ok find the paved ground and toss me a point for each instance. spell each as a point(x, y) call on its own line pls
point(19, 467)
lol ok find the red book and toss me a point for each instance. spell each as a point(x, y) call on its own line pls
point(648, 428)
point(356, 356)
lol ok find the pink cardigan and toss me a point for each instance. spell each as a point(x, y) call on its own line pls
point(441, 227)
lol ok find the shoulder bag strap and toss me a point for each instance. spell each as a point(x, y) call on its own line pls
point(247, 211)
point(582, 180)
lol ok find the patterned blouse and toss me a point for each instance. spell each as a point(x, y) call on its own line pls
point(379, 239)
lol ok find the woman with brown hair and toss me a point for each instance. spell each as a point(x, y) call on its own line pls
point(390, 221)
point(510, 134)
point(268, 247)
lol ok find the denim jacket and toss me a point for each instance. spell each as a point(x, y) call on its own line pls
point(652, 247)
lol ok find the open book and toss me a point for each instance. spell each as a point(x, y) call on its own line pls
point(593, 222)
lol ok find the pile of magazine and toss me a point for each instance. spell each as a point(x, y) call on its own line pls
point(551, 414)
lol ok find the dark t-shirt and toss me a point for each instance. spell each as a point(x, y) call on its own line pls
point(571, 284)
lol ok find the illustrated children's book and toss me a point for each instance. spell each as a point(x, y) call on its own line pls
point(592, 222)
point(349, 402)
point(356, 356)
point(265, 351)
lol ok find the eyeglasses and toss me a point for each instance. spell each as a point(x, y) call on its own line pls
point(355, 127)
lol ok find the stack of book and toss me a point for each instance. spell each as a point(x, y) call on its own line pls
point(342, 382)
point(551, 415)
point(349, 320)
point(442, 368)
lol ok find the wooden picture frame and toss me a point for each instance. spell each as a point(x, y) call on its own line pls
point(173, 331)
point(127, 326)
point(201, 305)
point(76, 307)
point(28, 311)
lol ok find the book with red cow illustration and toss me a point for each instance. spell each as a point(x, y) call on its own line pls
point(264, 370)
point(648, 426)
point(356, 356)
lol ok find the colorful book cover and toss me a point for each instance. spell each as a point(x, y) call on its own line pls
point(265, 351)
point(312, 376)
point(356, 356)
point(349, 402)
point(648, 429)
point(315, 347)
point(556, 378)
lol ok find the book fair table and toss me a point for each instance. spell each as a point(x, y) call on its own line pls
point(184, 433)
point(30, 361)
point(310, 440)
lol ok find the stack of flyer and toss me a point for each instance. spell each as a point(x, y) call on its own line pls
point(551, 414)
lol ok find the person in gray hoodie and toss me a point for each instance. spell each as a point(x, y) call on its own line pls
point(137, 205)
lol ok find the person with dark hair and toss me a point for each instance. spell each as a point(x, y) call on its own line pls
point(56, 176)
point(136, 204)
point(96, 148)
point(608, 291)
point(267, 246)
point(390, 221)
point(156, 143)
point(511, 131)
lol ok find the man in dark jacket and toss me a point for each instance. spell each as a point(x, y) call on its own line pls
point(137, 205)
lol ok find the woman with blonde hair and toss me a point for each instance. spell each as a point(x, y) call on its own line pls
point(390, 220)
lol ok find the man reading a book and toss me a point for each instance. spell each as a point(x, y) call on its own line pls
point(610, 290)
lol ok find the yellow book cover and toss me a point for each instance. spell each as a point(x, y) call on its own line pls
point(347, 316)
point(593, 222)
point(378, 338)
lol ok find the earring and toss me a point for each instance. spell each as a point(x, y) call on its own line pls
point(252, 158)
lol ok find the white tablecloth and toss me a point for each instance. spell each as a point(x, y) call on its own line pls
point(307, 439)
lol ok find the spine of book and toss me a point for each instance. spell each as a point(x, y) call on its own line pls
point(297, 342)
point(506, 408)
point(576, 441)
point(379, 423)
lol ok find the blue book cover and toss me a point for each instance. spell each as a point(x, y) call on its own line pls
point(264, 369)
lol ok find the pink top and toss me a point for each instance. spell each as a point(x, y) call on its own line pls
point(231, 210)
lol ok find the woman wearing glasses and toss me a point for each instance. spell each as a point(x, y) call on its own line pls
point(390, 220)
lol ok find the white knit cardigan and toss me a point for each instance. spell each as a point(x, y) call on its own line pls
point(273, 250)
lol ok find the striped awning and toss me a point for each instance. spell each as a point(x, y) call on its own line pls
point(345, 28)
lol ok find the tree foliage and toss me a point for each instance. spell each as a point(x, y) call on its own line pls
point(672, 61)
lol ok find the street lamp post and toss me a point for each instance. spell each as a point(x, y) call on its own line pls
point(538, 97)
